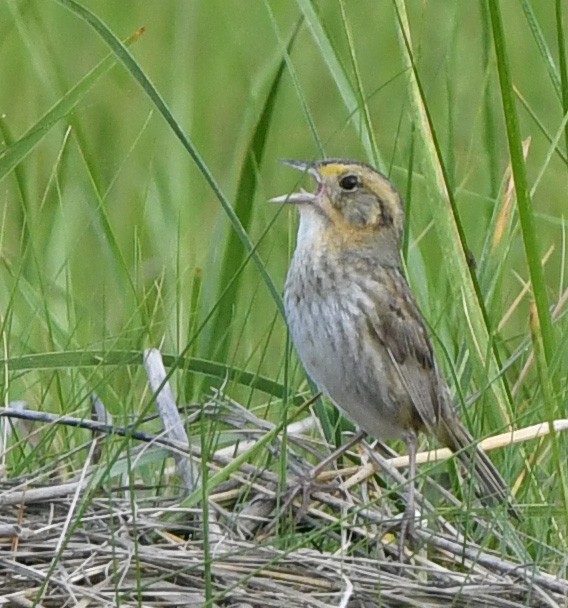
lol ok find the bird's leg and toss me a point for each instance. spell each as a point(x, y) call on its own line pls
point(359, 436)
point(408, 520)
point(308, 483)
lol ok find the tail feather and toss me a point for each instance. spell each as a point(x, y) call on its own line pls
point(495, 489)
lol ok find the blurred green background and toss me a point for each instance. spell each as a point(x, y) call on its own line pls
point(111, 238)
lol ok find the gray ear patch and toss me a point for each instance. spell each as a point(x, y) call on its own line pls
point(367, 209)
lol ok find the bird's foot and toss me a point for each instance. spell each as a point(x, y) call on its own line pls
point(307, 485)
point(407, 539)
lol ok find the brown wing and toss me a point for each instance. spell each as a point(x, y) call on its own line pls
point(402, 332)
point(399, 327)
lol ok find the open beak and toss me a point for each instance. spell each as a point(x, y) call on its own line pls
point(302, 196)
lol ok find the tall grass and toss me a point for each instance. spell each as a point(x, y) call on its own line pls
point(141, 145)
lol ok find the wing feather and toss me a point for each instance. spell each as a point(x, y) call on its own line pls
point(401, 331)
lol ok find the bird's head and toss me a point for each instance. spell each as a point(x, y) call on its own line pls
point(352, 201)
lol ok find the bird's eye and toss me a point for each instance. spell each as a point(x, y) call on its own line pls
point(349, 182)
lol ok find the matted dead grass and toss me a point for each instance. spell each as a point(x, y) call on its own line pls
point(106, 537)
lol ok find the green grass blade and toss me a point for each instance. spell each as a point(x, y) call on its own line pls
point(364, 108)
point(545, 385)
point(489, 130)
point(190, 389)
point(66, 360)
point(448, 227)
point(20, 182)
point(562, 61)
point(542, 46)
point(344, 87)
point(524, 204)
point(538, 122)
point(244, 198)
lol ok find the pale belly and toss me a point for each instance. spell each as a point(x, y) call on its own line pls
point(328, 330)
